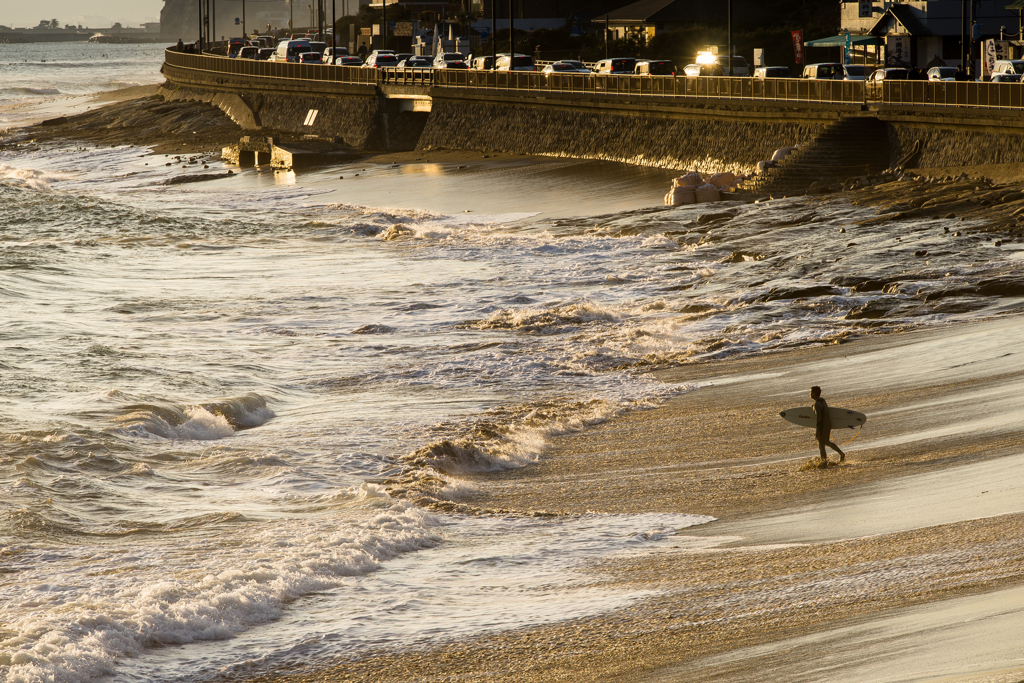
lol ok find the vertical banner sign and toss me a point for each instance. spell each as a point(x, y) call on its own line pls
point(798, 46)
point(897, 50)
point(759, 56)
point(994, 49)
point(848, 51)
point(865, 9)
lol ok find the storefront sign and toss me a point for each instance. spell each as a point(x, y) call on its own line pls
point(798, 46)
point(994, 49)
point(897, 50)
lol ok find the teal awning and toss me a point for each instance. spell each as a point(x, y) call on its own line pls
point(840, 41)
point(1016, 4)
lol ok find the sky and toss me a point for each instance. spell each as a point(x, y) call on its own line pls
point(91, 13)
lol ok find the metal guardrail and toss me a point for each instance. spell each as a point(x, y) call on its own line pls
point(887, 93)
point(280, 70)
point(949, 94)
point(778, 89)
point(789, 90)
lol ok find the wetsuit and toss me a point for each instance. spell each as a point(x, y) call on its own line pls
point(823, 429)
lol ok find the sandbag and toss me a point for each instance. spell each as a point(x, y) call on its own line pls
point(691, 179)
point(780, 154)
point(722, 180)
point(679, 196)
point(707, 193)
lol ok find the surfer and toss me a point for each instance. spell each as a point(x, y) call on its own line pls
point(823, 426)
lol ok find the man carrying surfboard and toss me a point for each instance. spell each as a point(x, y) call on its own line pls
point(823, 426)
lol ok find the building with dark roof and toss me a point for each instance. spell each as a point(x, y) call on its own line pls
point(925, 32)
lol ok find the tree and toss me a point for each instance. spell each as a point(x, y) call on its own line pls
point(54, 23)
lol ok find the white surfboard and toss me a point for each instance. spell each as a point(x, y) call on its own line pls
point(841, 417)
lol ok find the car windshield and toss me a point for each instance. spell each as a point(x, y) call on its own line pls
point(623, 64)
point(386, 59)
point(1018, 67)
point(562, 67)
point(660, 68)
point(856, 70)
point(828, 70)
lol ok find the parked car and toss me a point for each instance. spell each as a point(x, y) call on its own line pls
point(655, 67)
point(331, 53)
point(856, 72)
point(381, 58)
point(1008, 66)
point(289, 50)
point(577, 63)
point(825, 71)
point(452, 65)
point(564, 68)
point(483, 63)
point(265, 53)
point(310, 58)
point(517, 62)
point(317, 47)
point(893, 74)
point(942, 73)
point(249, 52)
point(739, 66)
point(444, 57)
point(348, 60)
point(695, 70)
point(763, 72)
point(618, 65)
point(402, 56)
point(415, 62)
point(1006, 78)
point(236, 44)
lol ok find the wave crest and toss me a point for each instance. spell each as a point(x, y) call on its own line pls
point(203, 422)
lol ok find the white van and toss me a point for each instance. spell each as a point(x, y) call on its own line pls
point(826, 71)
point(517, 63)
point(1008, 66)
point(289, 50)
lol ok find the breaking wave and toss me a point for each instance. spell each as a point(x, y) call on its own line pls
point(201, 422)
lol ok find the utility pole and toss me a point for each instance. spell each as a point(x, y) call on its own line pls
point(384, 24)
point(494, 34)
point(200, 26)
point(245, 34)
point(334, 32)
point(729, 24)
point(607, 30)
point(970, 43)
point(511, 35)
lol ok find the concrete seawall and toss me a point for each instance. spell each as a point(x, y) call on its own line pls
point(691, 133)
point(705, 138)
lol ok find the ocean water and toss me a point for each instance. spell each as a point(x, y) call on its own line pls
point(237, 416)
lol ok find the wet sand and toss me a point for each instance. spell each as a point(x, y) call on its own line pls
point(912, 538)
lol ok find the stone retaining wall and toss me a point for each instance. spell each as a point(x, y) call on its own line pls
point(706, 135)
point(952, 139)
point(697, 142)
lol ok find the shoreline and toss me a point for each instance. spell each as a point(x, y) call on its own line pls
point(731, 593)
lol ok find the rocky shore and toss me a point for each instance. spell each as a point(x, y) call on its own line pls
point(150, 121)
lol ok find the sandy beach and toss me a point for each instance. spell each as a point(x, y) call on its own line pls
point(905, 563)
